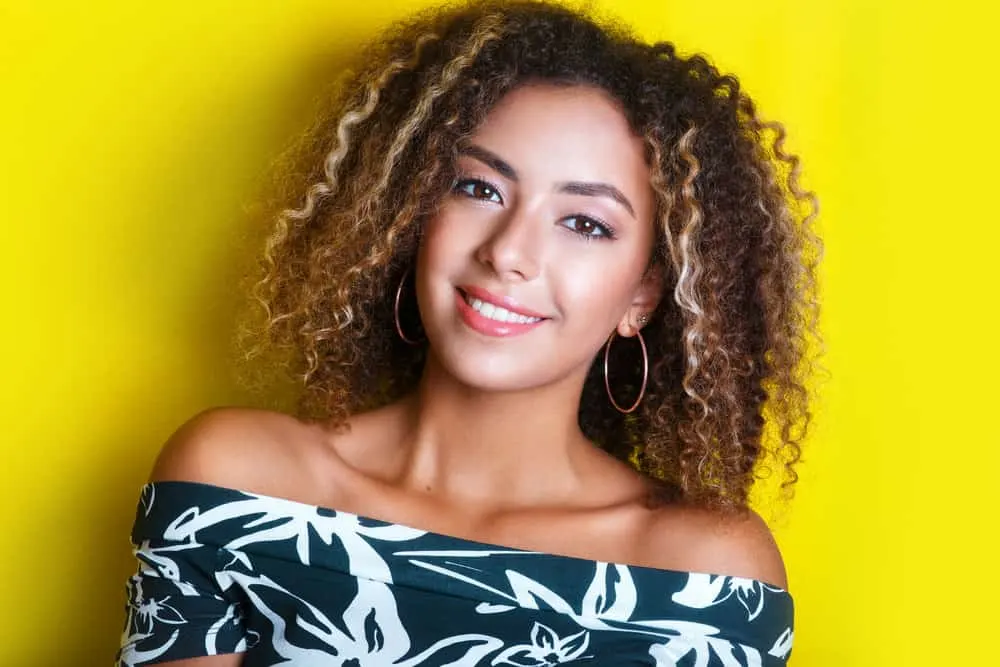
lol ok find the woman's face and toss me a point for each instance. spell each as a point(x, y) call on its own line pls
point(540, 251)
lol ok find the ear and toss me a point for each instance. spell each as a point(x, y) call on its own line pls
point(645, 300)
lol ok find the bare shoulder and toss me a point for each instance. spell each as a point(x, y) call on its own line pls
point(736, 543)
point(242, 448)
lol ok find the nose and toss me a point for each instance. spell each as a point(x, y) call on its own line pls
point(512, 249)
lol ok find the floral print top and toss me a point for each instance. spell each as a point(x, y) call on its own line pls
point(286, 583)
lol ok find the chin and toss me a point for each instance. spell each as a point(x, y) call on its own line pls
point(492, 372)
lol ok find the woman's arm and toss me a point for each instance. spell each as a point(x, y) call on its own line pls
point(175, 601)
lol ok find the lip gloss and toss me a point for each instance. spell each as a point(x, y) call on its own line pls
point(489, 327)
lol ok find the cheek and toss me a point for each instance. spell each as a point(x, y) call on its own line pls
point(441, 259)
point(447, 239)
point(435, 248)
point(594, 293)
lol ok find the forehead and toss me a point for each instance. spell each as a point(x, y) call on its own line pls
point(565, 132)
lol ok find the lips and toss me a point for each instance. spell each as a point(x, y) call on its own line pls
point(494, 316)
point(506, 302)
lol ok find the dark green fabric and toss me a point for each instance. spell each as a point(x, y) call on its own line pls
point(223, 571)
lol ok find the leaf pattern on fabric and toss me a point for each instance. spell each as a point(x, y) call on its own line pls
point(285, 583)
point(705, 590)
point(610, 594)
point(782, 645)
point(141, 625)
point(374, 633)
point(545, 650)
point(273, 520)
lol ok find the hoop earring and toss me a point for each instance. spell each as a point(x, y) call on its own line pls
point(395, 312)
point(645, 373)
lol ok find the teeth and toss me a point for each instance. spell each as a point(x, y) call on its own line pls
point(499, 314)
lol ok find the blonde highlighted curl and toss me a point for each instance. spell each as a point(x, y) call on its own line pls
point(730, 344)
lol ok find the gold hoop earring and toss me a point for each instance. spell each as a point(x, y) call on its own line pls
point(645, 373)
point(395, 312)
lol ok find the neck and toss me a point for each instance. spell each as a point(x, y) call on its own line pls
point(486, 448)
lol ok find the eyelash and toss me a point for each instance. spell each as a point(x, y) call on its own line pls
point(607, 232)
point(461, 182)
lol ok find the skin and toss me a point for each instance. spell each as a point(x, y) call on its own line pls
point(514, 227)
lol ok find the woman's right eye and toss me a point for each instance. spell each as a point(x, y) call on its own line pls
point(477, 189)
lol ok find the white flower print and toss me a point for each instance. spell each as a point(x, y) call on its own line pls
point(165, 566)
point(783, 644)
point(157, 611)
point(146, 498)
point(706, 590)
point(130, 654)
point(609, 604)
point(704, 647)
point(276, 519)
point(374, 637)
point(545, 650)
point(611, 593)
point(143, 616)
point(243, 558)
point(610, 596)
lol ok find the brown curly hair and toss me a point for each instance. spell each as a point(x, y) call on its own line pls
point(729, 352)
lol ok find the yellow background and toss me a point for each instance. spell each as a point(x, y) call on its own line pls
point(133, 136)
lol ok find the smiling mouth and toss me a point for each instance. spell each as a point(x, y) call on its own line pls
point(497, 313)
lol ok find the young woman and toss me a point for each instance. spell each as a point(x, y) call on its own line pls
point(544, 286)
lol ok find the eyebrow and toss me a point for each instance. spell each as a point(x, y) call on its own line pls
point(499, 165)
point(490, 159)
point(598, 190)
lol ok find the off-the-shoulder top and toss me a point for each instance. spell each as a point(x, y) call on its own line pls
point(287, 583)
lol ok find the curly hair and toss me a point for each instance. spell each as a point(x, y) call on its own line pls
point(729, 352)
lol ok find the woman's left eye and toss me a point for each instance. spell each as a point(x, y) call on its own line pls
point(477, 189)
point(587, 227)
